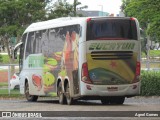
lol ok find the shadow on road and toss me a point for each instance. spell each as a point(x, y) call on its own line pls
point(80, 102)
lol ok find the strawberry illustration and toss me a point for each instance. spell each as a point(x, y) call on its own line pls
point(37, 81)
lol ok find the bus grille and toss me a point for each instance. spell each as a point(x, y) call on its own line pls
point(111, 55)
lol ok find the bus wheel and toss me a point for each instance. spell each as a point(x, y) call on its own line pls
point(61, 94)
point(30, 98)
point(105, 101)
point(120, 100)
point(117, 100)
point(68, 97)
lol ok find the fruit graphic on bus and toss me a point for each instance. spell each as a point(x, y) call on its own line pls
point(37, 81)
point(58, 56)
point(49, 81)
point(51, 64)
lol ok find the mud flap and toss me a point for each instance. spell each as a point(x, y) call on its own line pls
point(75, 82)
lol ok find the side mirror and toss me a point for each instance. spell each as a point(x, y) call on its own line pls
point(16, 48)
point(15, 55)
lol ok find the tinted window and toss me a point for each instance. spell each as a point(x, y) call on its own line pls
point(30, 44)
point(22, 52)
point(111, 29)
point(49, 40)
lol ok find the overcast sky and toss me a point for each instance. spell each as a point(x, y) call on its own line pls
point(110, 6)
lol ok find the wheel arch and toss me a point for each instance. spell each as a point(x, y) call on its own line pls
point(25, 82)
point(57, 84)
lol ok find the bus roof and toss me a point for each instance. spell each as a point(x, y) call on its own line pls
point(63, 21)
point(54, 23)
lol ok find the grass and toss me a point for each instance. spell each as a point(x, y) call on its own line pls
point(4, 59)
point(5, 93)
point(152, 65)
point(13, 93)
point(2, 84)
point(153, 53)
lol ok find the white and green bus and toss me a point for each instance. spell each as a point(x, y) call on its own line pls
point(81, 58)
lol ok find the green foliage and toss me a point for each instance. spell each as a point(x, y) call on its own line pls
point(152, 53)
point(3, 84)
point(150, 83)
point(13, 93)
point(5, 59)
point(62, 8)
point(17, 14)
point(147, 12)
point(0, 58)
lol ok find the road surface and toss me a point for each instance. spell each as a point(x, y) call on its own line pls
point(86, 109)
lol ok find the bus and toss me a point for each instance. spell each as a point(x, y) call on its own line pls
point(81, 58)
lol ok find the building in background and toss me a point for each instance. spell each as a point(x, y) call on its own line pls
point(121, 14)
point(92, 13)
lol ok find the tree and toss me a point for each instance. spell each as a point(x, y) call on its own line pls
point(147, 12)
point(62, 8)
point(15, 16)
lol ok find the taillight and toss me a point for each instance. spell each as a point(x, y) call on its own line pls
point(88, 19)
point(85, 74)
point(13, 77)
point(138, 70)
point(133, 19)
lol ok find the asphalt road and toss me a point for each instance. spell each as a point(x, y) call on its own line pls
point(86, 109)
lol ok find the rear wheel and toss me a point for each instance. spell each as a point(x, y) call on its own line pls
point(68, 97)
point(113, 100)
point(30, 98)
point(117, 100)
point(105, 101)
point(120, 100)
point(61, 96)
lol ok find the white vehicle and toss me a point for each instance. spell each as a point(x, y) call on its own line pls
point(14, 82)
point(81, 58)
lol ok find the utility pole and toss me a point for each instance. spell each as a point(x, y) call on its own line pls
point(148, 50)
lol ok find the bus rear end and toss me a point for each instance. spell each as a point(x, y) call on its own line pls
point(112, 66)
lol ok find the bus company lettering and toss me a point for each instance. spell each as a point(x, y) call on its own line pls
point(112, 46)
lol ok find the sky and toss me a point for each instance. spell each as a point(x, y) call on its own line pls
point(110, 6)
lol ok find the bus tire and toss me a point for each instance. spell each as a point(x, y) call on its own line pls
point(68, 97)
point(119, 100)
point(61, 94)
point(105, 101)
point(30, 98)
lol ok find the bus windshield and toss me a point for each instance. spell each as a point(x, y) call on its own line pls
point(111, 29)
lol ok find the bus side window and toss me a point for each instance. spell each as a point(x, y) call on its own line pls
point(21, 55)
point(37, 45)
point(30, 46)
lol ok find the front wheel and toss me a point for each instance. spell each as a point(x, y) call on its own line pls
point(30, 98)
